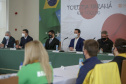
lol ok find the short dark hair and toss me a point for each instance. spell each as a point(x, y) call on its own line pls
point(51, 32)
point(104, 32)
point(78, 30)
point(25, 30)
point(92, 47)
point(120, 44)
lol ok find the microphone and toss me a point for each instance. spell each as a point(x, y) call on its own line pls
point(44, 38)
point(94, 38)
point(66, 38)
point(62, 44)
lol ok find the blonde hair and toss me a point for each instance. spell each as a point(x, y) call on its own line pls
point(34, 50)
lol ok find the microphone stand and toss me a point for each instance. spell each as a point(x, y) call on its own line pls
point(94, 38)
point(62, 45)
point(44, 38)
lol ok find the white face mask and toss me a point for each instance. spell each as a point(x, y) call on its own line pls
point(7, 37)
point(75, 35)
point(23, 35)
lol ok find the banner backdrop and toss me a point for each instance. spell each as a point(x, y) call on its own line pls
point(91, 17)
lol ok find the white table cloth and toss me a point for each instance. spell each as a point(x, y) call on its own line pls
point(66, 75)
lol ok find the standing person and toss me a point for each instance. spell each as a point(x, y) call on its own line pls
point(36, 68)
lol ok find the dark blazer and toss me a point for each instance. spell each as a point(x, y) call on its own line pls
point(119, 60)
point(10, 43)
point(79, 44)
point(52, 45)
point(24, 41)
point(88, 65)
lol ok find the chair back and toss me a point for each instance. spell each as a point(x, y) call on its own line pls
point(123, 72)
point(106, 73)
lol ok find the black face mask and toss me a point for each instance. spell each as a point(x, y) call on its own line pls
point(84, 55)
point(103, 39)
point(50, 36)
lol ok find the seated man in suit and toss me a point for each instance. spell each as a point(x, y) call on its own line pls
point(119, 51)
point(8, 41)
point(90, 51)
point(24, 39)
point(76, 44)
point(105, 44)
point(52, 41)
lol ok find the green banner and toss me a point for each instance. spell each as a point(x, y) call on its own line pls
point(49, 18)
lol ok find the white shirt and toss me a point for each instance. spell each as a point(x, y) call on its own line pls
point(75, 42)
point(7, 42)
point(51, 39)
point(26, 37)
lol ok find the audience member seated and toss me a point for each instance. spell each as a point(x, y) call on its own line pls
point(36, 68)
point(119, 51)
point(90, 51)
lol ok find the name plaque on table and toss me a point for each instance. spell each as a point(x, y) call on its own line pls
point(12, 48)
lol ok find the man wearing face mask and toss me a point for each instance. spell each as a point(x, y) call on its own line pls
point(24, 39)
point(76, 44)
point(8, 40)
point(119, 51)
point(105, 44)
point(90, 51)
point(52, 41)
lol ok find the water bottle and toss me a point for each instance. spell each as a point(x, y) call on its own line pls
point(100, 51)
point(80, 62)
point(20, 65)
point(56, 47)
point(5, 46)
point(44, 44)
point(14, 45)
point(50, 63)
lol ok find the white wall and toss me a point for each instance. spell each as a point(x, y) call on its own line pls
point(3, 18)
point(31, 17)
point(27, 17)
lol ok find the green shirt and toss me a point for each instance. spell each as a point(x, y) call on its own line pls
point(32, 74)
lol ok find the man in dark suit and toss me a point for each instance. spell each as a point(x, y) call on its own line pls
point(105, 44)
point(24, 39)
point(76, 43)
point(8, 40)
point(119, 51)
point(52, 41)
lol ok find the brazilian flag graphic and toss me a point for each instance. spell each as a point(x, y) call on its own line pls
point(49, 18)
point(51, 4)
